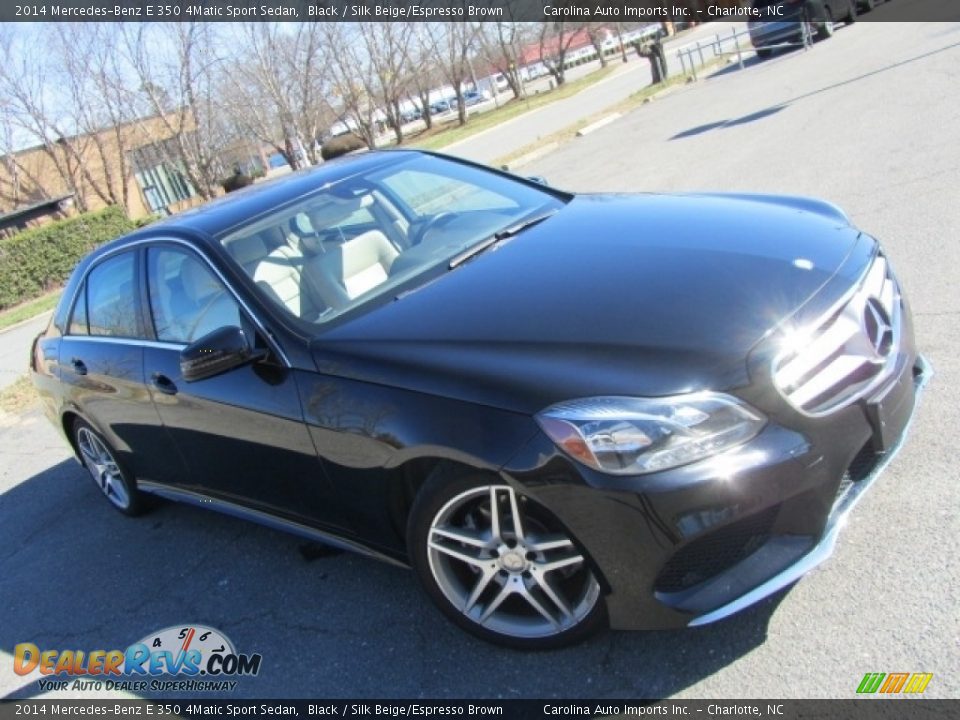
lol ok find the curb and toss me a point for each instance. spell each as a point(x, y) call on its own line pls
point(614, 74)
point(533, 155)
point(598, 124)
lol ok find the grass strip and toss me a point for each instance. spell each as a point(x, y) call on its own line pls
point(29, 309)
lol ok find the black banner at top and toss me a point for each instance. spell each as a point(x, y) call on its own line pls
point(683, 11)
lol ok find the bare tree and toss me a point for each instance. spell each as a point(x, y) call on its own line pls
point(176, 65)
point(453, 46)
point(353, 81)
point(275, 87)
point(555, 41)
point(500, 44)
point(20, 185)
point(425, 75)
point(596, 31)
point(32, 118)
point(99, 95)
point(388, 46)
point(623, 49)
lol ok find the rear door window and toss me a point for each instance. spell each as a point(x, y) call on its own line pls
point(111, 301)
point(78, 319)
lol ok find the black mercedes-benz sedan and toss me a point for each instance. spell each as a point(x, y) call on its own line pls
point(563, 411)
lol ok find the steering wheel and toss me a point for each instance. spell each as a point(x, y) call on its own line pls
point(435, 221)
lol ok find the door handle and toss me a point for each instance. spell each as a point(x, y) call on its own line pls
point(163, 384)
point(78, 366)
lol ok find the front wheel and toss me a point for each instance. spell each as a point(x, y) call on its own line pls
point(107, 474)
point(501, 566)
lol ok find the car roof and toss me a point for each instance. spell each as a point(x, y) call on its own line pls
point(220, 215)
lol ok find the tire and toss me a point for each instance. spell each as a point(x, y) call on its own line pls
point(851, 17)
point(764, 53)
point(868, 5)
point(825, 29)
point(115, 483)
point(527, 588)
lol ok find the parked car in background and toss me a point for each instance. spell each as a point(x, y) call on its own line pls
point(440, 106)
point(534, 71)
point(411, 115)
point(793, 18)
point(562, 411)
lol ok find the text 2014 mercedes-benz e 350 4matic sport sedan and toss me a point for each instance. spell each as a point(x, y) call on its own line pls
point(563, 411)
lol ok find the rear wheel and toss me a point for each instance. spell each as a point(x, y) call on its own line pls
point(764, 53)
point(501, 566)
point(107, 474)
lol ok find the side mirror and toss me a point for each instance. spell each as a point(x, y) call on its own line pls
point(216, 352)
point(538, 179)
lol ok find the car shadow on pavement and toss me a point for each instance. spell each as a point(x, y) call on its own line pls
point(78, 575)
point(773, 109)
point(752, 117)
point(749, 62)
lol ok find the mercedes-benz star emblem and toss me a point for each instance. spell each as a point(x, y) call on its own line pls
point(877, 327)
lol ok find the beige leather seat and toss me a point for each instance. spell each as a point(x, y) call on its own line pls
point(248, 251)
point(353, 268)
point(281, 275)
point(277, 271)
point(329, 212)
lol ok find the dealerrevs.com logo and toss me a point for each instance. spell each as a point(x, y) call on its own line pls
point(894, 683)
point(201, 658)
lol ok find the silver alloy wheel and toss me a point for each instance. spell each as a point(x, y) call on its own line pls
point(103, 468)
point(507, 566)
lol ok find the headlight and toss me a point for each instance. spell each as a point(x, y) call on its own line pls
point(630, 436)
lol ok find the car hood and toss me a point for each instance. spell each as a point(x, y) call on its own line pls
point(643, 295)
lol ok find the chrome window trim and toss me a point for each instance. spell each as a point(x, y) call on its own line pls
point(153, 343)
point(127, 341)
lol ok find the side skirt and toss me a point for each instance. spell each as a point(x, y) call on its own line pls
point(262, 518)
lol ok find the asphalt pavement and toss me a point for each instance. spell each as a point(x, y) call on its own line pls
point(624, 80)
point(15, 348)
point(865, 120)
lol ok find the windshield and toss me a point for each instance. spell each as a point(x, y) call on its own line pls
point(371, 236)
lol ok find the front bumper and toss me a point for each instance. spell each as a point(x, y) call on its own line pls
point(848, 496)
point(694, 545)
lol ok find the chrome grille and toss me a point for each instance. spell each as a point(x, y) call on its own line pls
point(849, 352)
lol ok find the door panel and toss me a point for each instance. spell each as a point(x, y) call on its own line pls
point(241, 432)
point(101, 363)
point(105, 382)
point(243, 435)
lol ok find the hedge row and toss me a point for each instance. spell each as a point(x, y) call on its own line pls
point(341, 145)
point(40, 259)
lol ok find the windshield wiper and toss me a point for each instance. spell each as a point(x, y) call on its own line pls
point(519, 227)
point(499, 235)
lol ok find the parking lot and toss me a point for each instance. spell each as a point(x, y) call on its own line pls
point(866, 120)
